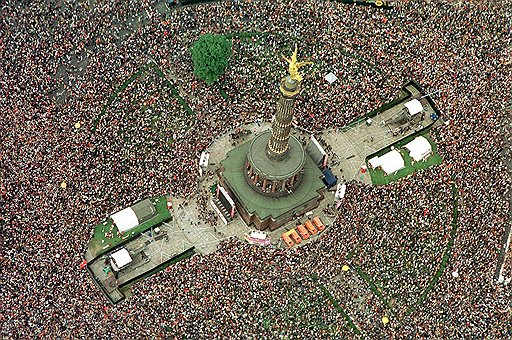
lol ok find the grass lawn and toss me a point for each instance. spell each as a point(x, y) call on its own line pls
point(100, 243)
point(380, 178)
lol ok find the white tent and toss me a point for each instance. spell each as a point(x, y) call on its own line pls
point(259, 235)
point(120, 259)
point(340, 191)
point(203, 161)
point(125, 219)
point(331, 77)
point(317, 152)
point(414, 106)
point(392, 162)
point(419, 148)
point(375, 162)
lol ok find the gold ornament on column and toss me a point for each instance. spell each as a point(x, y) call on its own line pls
point(293, 65)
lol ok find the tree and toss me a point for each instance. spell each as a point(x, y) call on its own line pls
point(210, 54)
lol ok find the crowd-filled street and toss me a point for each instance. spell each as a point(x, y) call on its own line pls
point(60, 63)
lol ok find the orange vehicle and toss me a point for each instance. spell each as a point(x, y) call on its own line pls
point(303, 232)
point(295, 236)
point(287, 240)
point(311, 227)
point(318, 223)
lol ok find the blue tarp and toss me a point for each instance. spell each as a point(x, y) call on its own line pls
point(329, 179)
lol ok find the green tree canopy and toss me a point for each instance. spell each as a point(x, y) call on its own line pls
point(210, 54)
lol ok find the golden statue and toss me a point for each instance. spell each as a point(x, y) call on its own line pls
point(293, 65)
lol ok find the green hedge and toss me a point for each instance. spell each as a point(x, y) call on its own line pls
point(171, 87)
point(446, 255)
point(363, 275)
point(341, 310)
point(114, 95)
point(137, 74)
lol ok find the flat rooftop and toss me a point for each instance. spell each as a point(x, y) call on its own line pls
point(265, 206)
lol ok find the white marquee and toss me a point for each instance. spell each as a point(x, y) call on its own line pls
point(121, 258)
point(419, 148)
point(375, 162)
point(392, 162)
point(414, 106)
point(125, 219)
point(331, 78)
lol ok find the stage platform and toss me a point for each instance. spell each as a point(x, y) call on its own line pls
point(149, 251)
point(351, 146)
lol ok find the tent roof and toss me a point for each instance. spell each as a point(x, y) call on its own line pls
point(315, 150)
point(340, 191)
point(258, 234)
point(203, 160)
point(392, 162)
point(125, 219)
point(144, 210)
point(121, 257)
point(330, 180)
point(375, 162)
point(414, 106)
point(331, 77)
point(418, 148)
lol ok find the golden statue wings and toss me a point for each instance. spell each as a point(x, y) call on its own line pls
point(293, 65)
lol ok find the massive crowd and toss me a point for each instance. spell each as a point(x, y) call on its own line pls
point(61, 61)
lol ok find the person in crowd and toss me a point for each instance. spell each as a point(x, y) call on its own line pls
point(63, 60)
